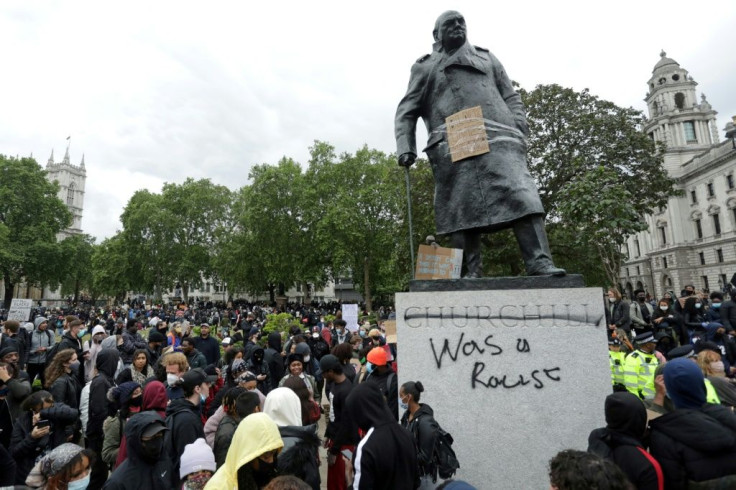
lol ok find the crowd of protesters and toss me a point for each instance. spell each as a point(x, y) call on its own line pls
point(201, 396)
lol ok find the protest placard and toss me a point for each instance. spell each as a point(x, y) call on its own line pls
point(438, 263)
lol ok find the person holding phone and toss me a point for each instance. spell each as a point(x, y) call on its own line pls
point(43, 426)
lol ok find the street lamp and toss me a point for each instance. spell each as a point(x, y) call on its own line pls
point(731, 132)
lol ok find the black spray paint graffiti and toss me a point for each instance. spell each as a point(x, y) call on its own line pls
point(565, 315)
point(471, 348)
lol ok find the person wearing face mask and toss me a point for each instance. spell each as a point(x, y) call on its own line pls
point(418, 418)
point(183, 415)
point(641, 312)
point(66, 467)
point(382, 375)
point(694, 315)
point(664, 319)
point(341, 333)
point(713, 314)
point(147, 467)
point(131, 341)
point(687, 292)
point(257, 366)
point(175, 364)
point(714, 370)
point(94, 344)
point(127, 398)
point(62, 382)
point(43, 426)
point(253, 456)
point(618, 313)
point(106, 364)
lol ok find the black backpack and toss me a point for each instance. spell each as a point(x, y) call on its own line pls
point(444, 457)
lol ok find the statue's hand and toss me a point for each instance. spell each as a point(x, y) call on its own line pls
point(407, 159)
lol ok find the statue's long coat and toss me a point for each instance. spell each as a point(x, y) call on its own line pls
point(485, 192)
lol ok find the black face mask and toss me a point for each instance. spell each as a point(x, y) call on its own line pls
point(265, 473)
point(151, 450)
point(258, 358)
point(641, 299)
point(136, 402)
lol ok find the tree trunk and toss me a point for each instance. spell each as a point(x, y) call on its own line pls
point(305, 287)
point(185, 291)
point(9, 288)
point(76, 290)
point(272, 293)
point(367, 285)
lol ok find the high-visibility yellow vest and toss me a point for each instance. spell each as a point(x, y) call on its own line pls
point(710, 393)
point(639, 373)
point(617, 360)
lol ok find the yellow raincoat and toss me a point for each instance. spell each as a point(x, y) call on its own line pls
point(256, 434)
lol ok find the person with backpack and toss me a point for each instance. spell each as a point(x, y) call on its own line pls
point(42, 340)
point(386, 456)
point(621, 441)
point(382, 375)
point(419, 419)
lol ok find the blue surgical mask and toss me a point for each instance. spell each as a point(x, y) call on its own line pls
point(362, 334)
point(79, 484)
point(716, 305)
point(202, 398)
point(81, 333)
point(369, 367)
point(698, 305)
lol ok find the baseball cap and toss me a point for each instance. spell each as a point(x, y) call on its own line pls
point(195, 377)
point(154, 428)
point(330, 363)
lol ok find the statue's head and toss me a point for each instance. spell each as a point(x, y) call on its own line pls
point(450, 30)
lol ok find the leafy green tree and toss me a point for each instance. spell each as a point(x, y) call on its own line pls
point(76, 256)
point(113, 268)
point(597, 174)
point(362, 221)
point(175, 234)
point(31, 215)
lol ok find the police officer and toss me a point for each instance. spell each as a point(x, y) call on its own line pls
point(640, 365)
point(617, 359)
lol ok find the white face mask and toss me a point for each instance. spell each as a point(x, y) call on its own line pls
point(307, 358)
point(612, 300)
point(698, 305)
point(171, 379)
point(664, 308)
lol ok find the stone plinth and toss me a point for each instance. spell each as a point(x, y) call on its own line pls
point(493, 283)
point(515, 375)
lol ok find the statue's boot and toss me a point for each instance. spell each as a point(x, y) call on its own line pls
point(469, 242)
point(535, 248)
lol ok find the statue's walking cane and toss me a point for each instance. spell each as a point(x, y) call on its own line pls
point(411, 225)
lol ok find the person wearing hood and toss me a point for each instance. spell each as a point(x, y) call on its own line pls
point(146, 467)
point(272, 356)
point(253, 456)
point(621, 441)
point(127, 398)
point(697, 441)
point(131, 342)
point(106, 364)
point(183, 415)
point(300, 455)
point(259, 368)
point(42, 340)
point(94, 344)
point(154, 400)
point(419, 420)
point(386, 456)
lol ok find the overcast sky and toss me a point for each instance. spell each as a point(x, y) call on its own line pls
point(155, 92)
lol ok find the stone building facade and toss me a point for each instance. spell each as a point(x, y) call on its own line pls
point(693, 239)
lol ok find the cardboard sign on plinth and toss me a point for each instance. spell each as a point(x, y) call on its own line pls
point(438, 263)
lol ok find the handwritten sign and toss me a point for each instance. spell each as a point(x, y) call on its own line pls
point(466, 134)
point(389, 327)
point(20, 310)
point(438, 263)
point(350, 315)
point(509, 361)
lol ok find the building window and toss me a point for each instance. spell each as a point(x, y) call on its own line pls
point(711, 190)
point(663, 235)
point(701, 255)
point(734, 213)
point(638, 271)
point(628, 253)
point(693, 197)
point(680, 100)
point(70, 195)
point(719, 254)
point(705, 282)
point(664, 262)
point(698, 228)
point(717, 224)
point(627, 272)
point(729, 181)
point(638, 249)
point(689, 127)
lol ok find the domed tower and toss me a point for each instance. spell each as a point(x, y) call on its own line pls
point(685, 125)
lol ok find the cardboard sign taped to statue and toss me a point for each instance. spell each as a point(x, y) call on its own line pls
point(466, 134)
point(438, 263)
